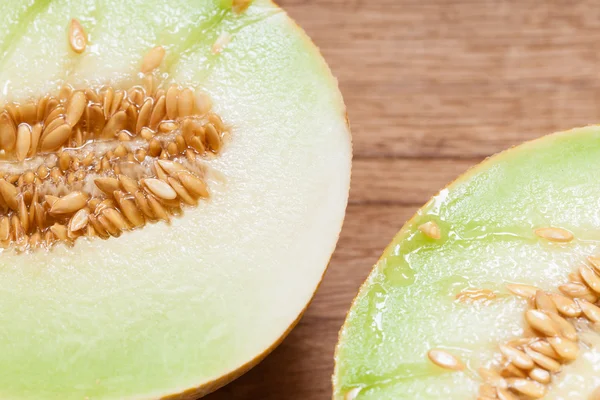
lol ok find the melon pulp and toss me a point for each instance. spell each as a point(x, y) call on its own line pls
point(179, 308)
point(488, 220)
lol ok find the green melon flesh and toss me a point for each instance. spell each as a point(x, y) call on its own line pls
point(165, 309)
point(487, 218)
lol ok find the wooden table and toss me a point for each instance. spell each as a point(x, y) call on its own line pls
point(432, 87)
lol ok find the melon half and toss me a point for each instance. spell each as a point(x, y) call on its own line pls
point(159, 252)
point(491, 290)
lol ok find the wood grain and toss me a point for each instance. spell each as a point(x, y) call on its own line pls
point(432, 87)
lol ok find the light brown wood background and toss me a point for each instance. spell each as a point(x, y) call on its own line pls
point(432, 87)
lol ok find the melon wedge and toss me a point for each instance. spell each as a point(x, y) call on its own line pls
point(495, 270)
point(178, 309)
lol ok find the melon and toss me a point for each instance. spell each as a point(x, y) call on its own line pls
point(491, 290)
point(173, 180)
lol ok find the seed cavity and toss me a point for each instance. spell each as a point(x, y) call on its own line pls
point(445, 360)
point(431, 230)
point(98, 161)
point(77, 36)
point(528, 364)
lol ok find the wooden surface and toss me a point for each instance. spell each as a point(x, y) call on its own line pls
point(432, 87)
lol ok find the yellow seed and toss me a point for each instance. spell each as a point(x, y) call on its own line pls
point(565, 327)
point(542, 346)
point(527, 387)
point(157, 208)
point(517, 357)
point(166, 127)
point(541, 322)
point(120, 151)
point(591, 311)
point(115, 218)
point(577, 290)
point(197, 145)
point(505, 394)
point(566, 306)
point(146, 134)
point(117, 102)
point(8, 132)
point(239, 6)
point(9, 194)
point(115, 124)
point(142, 203)
point(429, 229)
point(543, 360)
point(180, 142)
point(445, 360)
point(23, 214)
point(154, 148)
point(75, 108)
point(144, 115)
point(4, 228)
point(181, 192)
point(60, 231)
point(171, 102)
point(36, 133)
point(185, 103)
point(140, 155)
point(221, 42)
point(158, 113)
point(554, 234)
point(171, 167)
point(23, 142)
point(108, 226)
point(77, 36)
point(526, 291)
point(544, 302)
point(28, 177)
point(129, 209)
point(70, 203)
point(473, 295)
point(28, 113)
point(159, 188)
point(79, 220)
point(107, 185)
point(565, 348)
point(214, 142)
point(152, 59)
point(590, 277)
point(109, 93)
point(129, 185)
point(56, 138)
point(41, 108)
point(193, 184)
point(172, 149)
point(64, 160)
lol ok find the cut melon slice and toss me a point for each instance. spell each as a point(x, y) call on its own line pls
point(103, 300)
point(488, 292)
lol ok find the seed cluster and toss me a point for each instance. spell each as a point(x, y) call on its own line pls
point(527, 364)
point(554, 320)
point(106, 160)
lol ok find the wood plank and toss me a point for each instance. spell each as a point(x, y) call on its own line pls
point(458, 79)
point(302, 366)
point(402, 181)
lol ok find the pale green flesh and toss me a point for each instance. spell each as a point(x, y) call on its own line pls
point(487, 218)
point(165, 309)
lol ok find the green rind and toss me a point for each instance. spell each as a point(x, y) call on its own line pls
point(487, 217)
